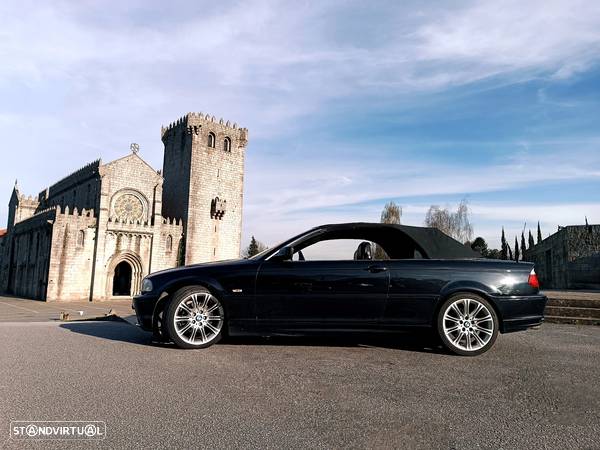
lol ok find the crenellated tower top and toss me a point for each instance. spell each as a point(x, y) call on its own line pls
point(194, 123)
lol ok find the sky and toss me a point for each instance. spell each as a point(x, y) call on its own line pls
point(349, 104)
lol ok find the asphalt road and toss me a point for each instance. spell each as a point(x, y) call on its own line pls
point(15, 309)
point(537, 389)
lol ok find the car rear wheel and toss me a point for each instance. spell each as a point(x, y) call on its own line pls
point(195, 318)
point(467, 324)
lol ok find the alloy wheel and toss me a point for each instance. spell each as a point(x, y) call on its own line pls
point(468, 324)
point(198, 318)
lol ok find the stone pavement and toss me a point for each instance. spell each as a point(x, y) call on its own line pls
point(14, 309)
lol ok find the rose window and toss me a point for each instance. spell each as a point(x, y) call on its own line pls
point(128, 207)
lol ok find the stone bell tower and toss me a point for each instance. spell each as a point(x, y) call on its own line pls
point(203, 172)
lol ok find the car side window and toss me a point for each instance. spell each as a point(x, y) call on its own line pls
point(340, 250)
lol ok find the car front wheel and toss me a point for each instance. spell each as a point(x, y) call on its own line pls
point(467, 324)
point(195, 318)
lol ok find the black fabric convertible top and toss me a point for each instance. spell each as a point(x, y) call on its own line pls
point(437, 244)
point(431, 242)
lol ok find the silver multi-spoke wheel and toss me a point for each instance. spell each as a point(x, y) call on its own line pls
point(198, 318)
point(468, 324)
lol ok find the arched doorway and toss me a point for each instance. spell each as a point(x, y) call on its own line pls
point(122, 279)
point(124, 274)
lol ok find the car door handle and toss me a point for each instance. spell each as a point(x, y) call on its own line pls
point(375, 268)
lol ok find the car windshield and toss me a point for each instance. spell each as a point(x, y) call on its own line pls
point(264, 252)
point(288, 242)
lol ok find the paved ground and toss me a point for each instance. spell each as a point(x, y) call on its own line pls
point(538, 389)
point(14, 309)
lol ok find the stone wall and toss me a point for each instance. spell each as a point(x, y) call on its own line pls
point(72, 254)
point(584, 256)
point(25, 254)
point(568, 259)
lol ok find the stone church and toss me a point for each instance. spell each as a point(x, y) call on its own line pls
point(96, 233)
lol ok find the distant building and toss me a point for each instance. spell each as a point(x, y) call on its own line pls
point(568, 259)
point(96, 233)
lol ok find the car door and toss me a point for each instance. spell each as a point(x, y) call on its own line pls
point(415, 286)
point(327, 294)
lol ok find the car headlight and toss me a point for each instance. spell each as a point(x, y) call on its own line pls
point(147, 285)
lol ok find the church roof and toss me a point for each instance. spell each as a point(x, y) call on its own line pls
point(88, 171)
point(135, 156)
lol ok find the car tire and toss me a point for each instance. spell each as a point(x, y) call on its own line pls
point(467, 324)
point(160, 333)
point(195, 318)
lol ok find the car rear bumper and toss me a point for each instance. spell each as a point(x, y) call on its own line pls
point(144, 306)
point(520, 313)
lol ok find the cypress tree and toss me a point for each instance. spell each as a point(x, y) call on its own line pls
point(523, 247)
point(504, 250)
point(253, 247)
point(510, 255)
point(516, 249)
point(531, 241)
point(539, 236)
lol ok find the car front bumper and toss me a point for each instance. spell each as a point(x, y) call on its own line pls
point(144, 306)
point(520, 313)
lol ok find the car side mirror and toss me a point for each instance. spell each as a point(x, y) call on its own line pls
point(283, 254)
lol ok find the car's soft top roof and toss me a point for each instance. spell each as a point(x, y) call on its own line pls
point(436, 244)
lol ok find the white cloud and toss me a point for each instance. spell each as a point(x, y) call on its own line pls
point(503, 36)
point(313, 184)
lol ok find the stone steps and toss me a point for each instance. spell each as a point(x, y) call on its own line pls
point(575, 302)
point(578, 308)
point(572, 320)
point(572, 311)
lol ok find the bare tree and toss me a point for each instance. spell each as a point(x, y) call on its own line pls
point(456, 224)
point(463, 230)
point(391, 214)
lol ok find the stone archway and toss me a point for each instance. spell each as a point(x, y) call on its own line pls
point(124, 275)
point(122, 279)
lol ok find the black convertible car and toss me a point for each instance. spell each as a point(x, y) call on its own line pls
point(355, 277)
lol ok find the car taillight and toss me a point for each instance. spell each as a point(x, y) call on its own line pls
point(533, 280)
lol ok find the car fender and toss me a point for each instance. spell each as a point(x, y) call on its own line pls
point(192, 280)
point(205, 280)
point(473, 287)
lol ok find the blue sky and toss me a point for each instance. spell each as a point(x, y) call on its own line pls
point(349, 104)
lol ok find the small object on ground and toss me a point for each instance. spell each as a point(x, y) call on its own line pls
point(80, 313)
point(112, 312)
point(64, 315)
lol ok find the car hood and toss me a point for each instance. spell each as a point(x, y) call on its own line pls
point(193, 267)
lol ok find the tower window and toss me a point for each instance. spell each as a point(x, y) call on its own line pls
point(169, 244)
point(217, 208)
point(211, 140)
point(80, 238)
point(227, 144)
